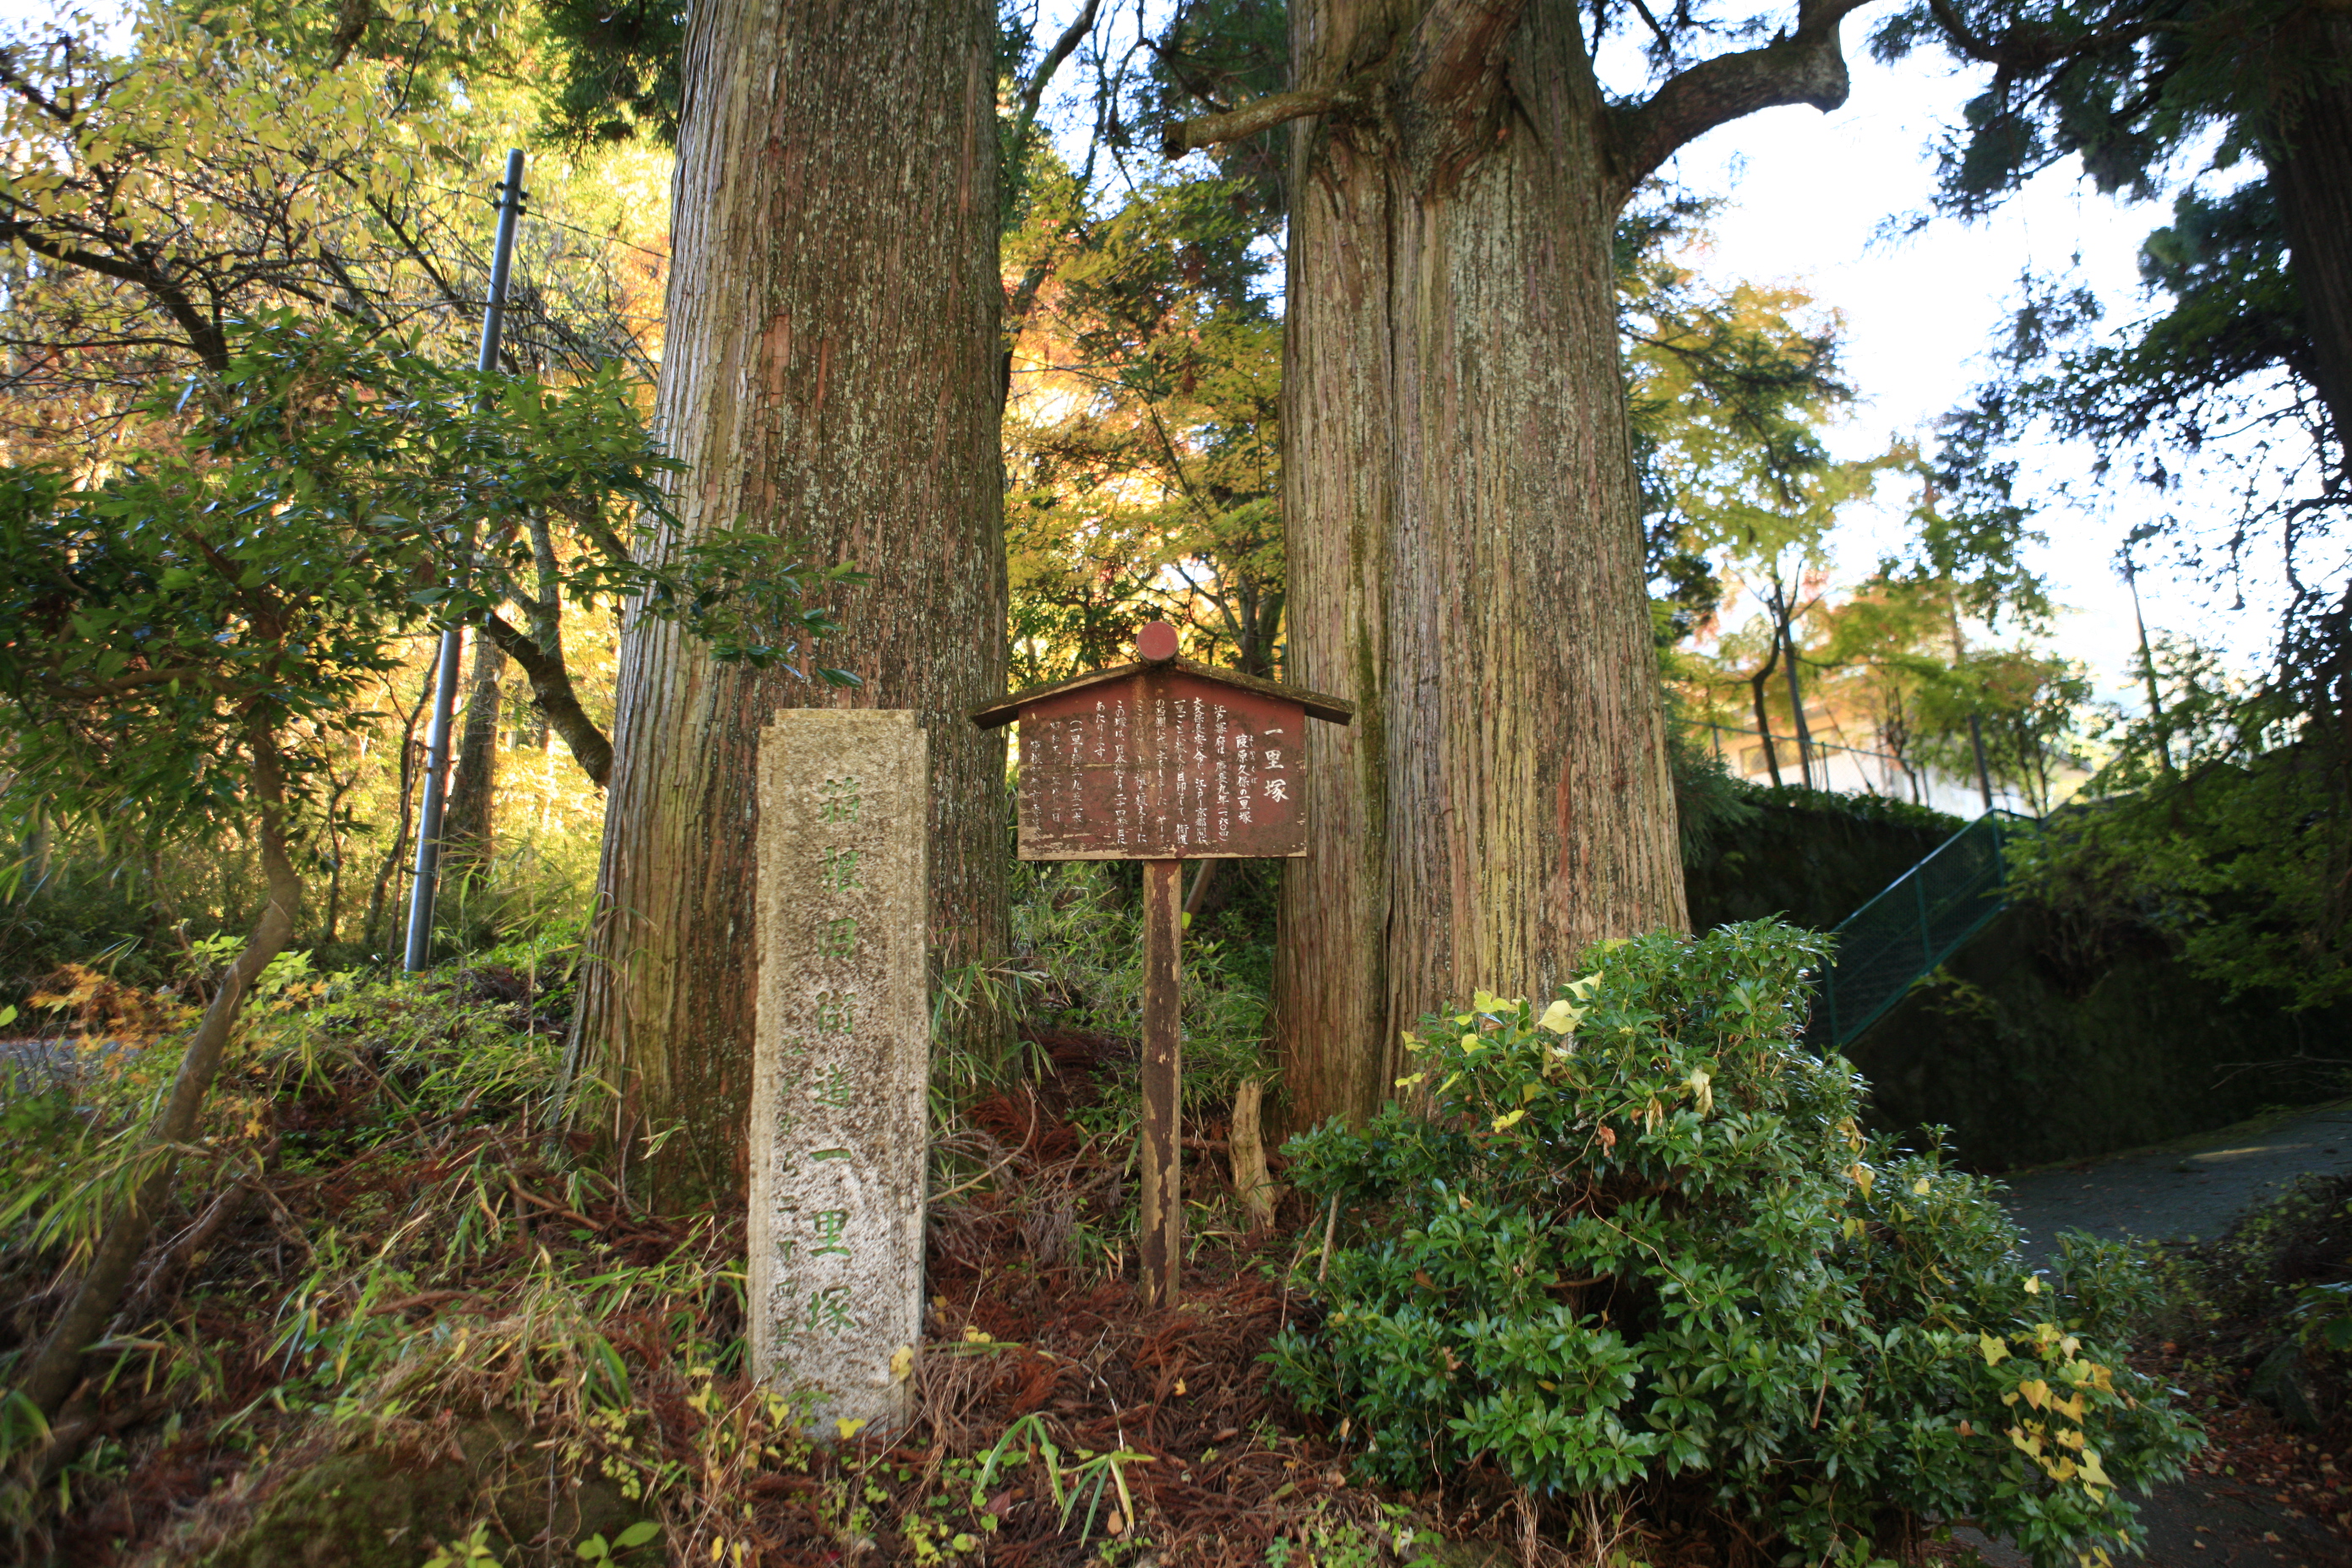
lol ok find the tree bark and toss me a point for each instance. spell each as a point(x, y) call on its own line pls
point(1784, 622)
point(466, 825)
point(2308, 148)
point(1758, 700)
point(1463, 541)
point(831, 372)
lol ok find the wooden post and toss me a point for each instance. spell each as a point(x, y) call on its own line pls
point(1163, 760)
point(1162, 1242)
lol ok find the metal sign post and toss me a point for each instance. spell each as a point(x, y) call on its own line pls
point(418, 951)
point(1162, 761)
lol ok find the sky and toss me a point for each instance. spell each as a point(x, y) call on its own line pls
point(1807, 196)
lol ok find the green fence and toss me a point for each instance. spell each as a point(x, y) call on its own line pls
point(1921, 920)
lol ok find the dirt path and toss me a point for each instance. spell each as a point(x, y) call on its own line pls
point(2192, 1188)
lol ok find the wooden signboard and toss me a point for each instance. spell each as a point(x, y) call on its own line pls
point(1172, 760)
point(1162, 761)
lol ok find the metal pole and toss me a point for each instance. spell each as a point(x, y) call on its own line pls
point(1984, 774)
point(1160, 1247)
point(419, 949)
point(1927, 932)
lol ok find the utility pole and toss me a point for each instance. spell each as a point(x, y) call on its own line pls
point(1984, 774)
point(419, 948)
point(2147, 663)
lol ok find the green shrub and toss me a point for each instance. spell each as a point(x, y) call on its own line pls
point(1859, 807)
point(1081, 942)
point(1639, 1235)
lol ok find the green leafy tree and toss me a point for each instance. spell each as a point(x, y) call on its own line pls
point(1144, 438)
point(2219, 821)
point(183, 645)
point(2131, 86)
point(220, 164)
point(1731, 392)
point(2240, 111)
point(2030, 710)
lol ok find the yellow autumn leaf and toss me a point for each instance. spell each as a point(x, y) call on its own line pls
point(2036, 1391)
point(1920, 1186)
point(902, 1363)
point(1409, 1081)
point(1505, 1121)
point(1487, 1002)
point(2094, 1474)
point(1995, 1351)
point(1862, 1175)
point(2032, 1285)
point(1702, 1087)
point(1559, 1018)
point(847, 1427)
point(1471, 1042)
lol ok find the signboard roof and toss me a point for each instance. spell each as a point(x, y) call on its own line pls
point(1317, 705)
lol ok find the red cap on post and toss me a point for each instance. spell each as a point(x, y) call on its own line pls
point(1156, 643)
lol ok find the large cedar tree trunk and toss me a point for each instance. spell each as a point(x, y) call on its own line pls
point(830, 371)
point(1461, 514)
point(2309, 150)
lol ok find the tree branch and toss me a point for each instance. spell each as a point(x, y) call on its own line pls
point(550, 683)
point(1246, 120)
point(205, 339)
point(98, 691)
point(1072, 35)
point(1804, 67)
point(1455, 46)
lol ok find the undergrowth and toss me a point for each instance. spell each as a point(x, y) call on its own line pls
point(395, 1307)
point(397, 1310)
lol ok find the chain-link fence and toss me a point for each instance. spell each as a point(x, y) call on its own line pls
point(1917, 923)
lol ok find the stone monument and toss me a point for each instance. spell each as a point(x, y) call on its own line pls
point(840, 1133)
